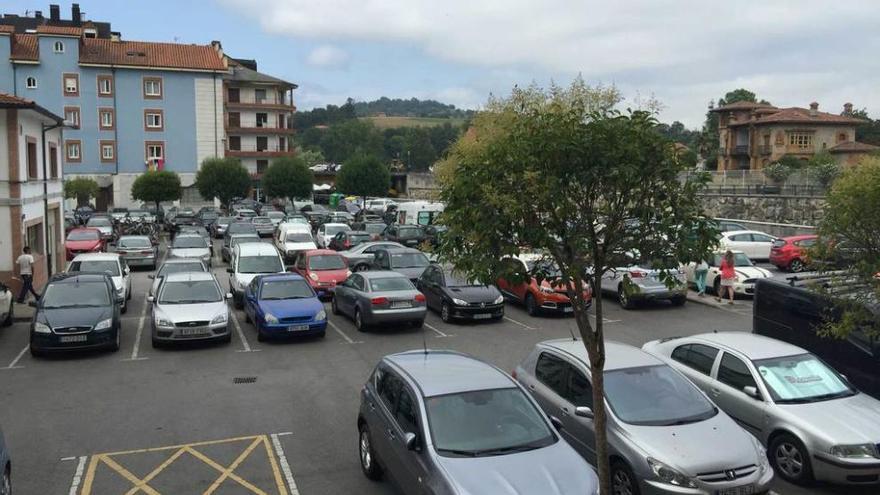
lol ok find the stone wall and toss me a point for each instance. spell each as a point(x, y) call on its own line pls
point(421, 185)
point(794, 214)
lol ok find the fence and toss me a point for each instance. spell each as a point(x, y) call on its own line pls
point(773, 228)
point(745, 178)
point(765, 190)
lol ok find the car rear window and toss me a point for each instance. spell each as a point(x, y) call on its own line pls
point(169, 268)
point(326, 262)
point(189, 242)
point(84, 235)
point(134, 243)
point(390, 284)
point(98, 266)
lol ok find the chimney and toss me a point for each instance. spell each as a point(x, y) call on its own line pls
point(54, 12)
point(814, 109)
point(115, 36)
point(38, 14)
point(75, 14)
point(847, 108)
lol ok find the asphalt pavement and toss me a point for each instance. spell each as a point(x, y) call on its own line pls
point(251, 417)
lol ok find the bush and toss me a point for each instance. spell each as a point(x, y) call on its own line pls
point(777, 172)
point(82, 189)
point(824, 173)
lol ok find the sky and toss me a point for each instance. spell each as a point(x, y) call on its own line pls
point(685, 53)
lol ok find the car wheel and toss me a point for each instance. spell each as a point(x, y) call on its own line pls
point(261, 337)
point(531, 305)
point(359, 321)
point(238, 301)
point(679, 300)
point(623, 298)
point(716, 286)
point(333, 308)
point(228, 338)
point(124, 308)
point(322, 334)
point(117, 342)
point(796, 266)
point(156, 343)
point(128, 294)
point(9, 315)
point(247, 316)
point(790, 459)
point(623, 482)
point(6, 482)
point(36, 352)
point(444, 313)
point(418, 323)
point(367, 455)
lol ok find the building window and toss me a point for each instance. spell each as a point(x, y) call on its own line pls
point(53, 161)
point(73, 150)
point(153, 88)
point(234, 119)
point(32, 158)
point(153, 120)
point(801, 141)
point(71, 84)
point(262, 120)
point(155, 150)
point(105, 85)
point(71, 116)
point(31, 82)
point(58, 47)
point(282, 143)
point(108, 151)
point(233, 95)
point(260, 95)
point(841, 138)
point(262, 143)
point(235, 143)
point(35, 238)
point(105, 118)
point(262, 165)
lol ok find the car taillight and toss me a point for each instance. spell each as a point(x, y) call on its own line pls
point(419, 298)
point(637, 274)
point(378, 301)
point(513, 374)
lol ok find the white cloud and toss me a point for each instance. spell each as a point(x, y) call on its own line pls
point(327, 57)
point(684, 51)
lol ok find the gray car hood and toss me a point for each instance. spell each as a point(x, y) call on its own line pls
point(694, 448)
point(553, 470)
point(850, 420)
point(189, 252)
point(191, 312)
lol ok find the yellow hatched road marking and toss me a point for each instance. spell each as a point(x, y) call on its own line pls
point(156, 472)
point(129, 476)
point(207, 460)
point(228, 471)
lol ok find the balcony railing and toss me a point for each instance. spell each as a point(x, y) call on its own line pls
point(260, 102)
point(765, 149)
point(741, 149)
point(270, 147)
point(265, 129)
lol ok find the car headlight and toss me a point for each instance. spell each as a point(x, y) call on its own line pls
point(668, 475)
point(860, 451)
point(459, 302)
point(499, 300)
point(221, 318)
point(313, 276)
point(161, 321)
point(321, 315)
point(547, 290)
point(270, 318)
point(104, 324)
point(42, 328)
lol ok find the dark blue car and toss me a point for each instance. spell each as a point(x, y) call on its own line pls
point(283, 304)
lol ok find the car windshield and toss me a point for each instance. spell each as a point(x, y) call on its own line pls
point(409, 233)
point(298, 237)
point(99, 222)
point(210, 215)
point(101, 266)
point(456, 279)
point(655, 396)
point(246, 213)
point(326, 262)
point(409, 260)
point(223, 220)
point(263, 220)
point(136, 242)
point(739, 259)
point(358, 238)
point(190, 241)
point(260, 264)
point(243, 239)
point(241, 228)
point(75, 295)
point(335, 229)
point(169, 268)
point(486, 423)
point(275, 214)
point(83, 235)
point(189, 292)
point(286, 289)
point(545, 268)
point(302, 220)
point(390, 284)
point(801, 378)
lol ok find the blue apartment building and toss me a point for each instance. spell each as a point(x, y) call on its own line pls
point(132, 105)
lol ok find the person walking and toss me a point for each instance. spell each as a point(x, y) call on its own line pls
point(700, 273)
point(25, 264)
point(728, 276)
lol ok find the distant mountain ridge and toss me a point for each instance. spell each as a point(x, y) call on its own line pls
point(413, 107)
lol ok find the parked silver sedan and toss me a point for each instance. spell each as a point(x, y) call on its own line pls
point(190, 246)
point(372, 298)
point(663, 432)
point(137, 250)
point(640, 281)
point(189, 306)
point(814, 423)
point(175, 265)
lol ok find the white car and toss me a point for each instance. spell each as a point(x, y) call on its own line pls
point(249, 260)
point(328, 231)
point(6, 305)
point(756, 245)
point(379, 205)
point(647, 284)
point(747, 274)
point(293, 238)
point(110, 263)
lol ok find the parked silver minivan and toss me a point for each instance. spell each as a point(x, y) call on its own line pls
point(665, 436)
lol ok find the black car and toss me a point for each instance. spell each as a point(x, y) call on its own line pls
point(455, 297)
point(238, 227)
point(208, 217)
point(794, 312)
point(77, 310)
point(316, 214)
point(407, 261)
point(408, 235)
point(348, 239)
point(434, 233)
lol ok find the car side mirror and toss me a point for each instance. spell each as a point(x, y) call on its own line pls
point(127, 270)
point(228, 295)
point(583, 412)
point(411, 440)
point(151, 299)
point(32, 304)
point(556, 422)
point(230, 270)
point(752, 392)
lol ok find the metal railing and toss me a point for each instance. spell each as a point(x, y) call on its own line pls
point(766, 189)
point(270, 147)
point(268, 100)
point(749, 177)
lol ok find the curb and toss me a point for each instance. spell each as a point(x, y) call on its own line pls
point(708, 301)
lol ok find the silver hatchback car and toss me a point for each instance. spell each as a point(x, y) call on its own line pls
point(665, 436)
point(190, 306)
point(814, 423)
point(372, 298)
point(444, 423)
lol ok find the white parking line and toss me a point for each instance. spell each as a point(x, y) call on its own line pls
point(12, 365)
point(77, 477)
point(519, 323)
point(137, 338)
point(438, 332)
point(604, 320)
point(285, 467)
point(344, 336)
point(244, 342)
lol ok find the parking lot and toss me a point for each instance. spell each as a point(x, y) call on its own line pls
point(250, 417)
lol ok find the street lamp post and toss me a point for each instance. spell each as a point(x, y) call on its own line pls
point(47, 128)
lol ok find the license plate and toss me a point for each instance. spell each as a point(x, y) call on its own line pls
point(740, 490)
point(73, 338)
point(192, 331)
point(297, 328)
point(483, 316)
point(567, 309)
point(401, 304)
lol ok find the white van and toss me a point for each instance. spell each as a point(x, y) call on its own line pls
point(249, 260)
point(418, 212)
point(293, 238)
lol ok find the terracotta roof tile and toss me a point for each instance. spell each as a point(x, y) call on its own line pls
point(7, 99)
point(62, 30)
point(6, 29)
point(742, 105)
point(25, 47)
point(149, 54)
point(796, 115)
point(853, 147)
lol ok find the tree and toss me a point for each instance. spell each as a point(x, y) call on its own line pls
point(82, 189)
point(708, 140)
point(560, 173)
point(364, 176)
point(778, 172)
point(869, 131)
point(156, 186)
point(823, 168)
point(311, 156)
point(224, 179)
point(420, 153)
point(352, 137)
point(288, 177)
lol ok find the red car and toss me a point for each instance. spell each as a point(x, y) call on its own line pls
point(322, 269)
point(790, 253)
point(536, 297)
point(83, 240)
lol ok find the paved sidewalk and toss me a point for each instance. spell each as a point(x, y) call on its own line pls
point(22, 313)
point(740, 305)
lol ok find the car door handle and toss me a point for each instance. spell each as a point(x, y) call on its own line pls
point(715, 392)
point(372, 406)
point(565, 411)
point(390, 433)
point(531, 386)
